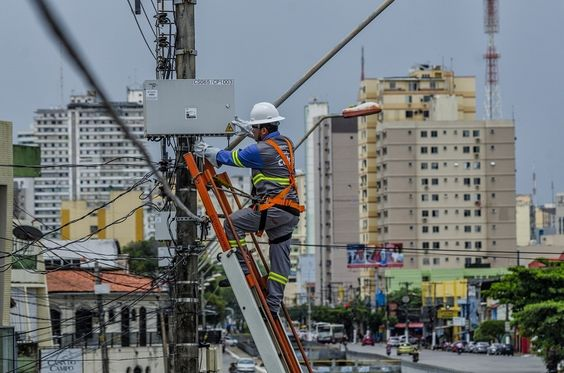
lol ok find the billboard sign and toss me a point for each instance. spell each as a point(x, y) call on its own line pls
point(68, 360)
point(387, 255)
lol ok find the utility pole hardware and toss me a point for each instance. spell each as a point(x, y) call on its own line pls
point(186, 298)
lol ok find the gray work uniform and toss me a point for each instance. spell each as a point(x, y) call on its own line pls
point(268, 181)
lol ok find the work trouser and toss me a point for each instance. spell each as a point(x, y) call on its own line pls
point(279, 227)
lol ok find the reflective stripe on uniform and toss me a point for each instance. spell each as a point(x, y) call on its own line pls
point(233, 243)
point(236, 160)
point(278, 278)
point(278, 180)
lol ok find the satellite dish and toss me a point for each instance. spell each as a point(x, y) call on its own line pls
point(27, 233)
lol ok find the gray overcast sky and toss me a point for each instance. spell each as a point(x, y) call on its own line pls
point(267, 45)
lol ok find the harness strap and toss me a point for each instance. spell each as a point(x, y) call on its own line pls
point(262, 222)
point(281, 239)
point(280, 199)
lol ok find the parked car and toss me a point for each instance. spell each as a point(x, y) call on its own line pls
point(405, 348)
point(367, 340)
point(481, 347)
point(245, 365)
point(470, 347)
point(411, 339)
point(495, 349)
point(394, 341)
point(230, 341)
point(507, 349)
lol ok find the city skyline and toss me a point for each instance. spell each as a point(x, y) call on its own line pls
point(258, 61)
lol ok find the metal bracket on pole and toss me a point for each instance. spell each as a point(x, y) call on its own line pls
point(192, 52)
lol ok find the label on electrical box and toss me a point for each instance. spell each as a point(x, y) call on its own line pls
point(213, 82)
point(191, 113)
point(151, 94)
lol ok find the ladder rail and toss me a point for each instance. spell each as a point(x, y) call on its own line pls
point(253, 279)
point(224, 178)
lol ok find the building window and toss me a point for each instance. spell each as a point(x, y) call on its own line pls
point(436, 261)
point(467, 181)
point(424, 165)
point(424, 181)
point(435, 213)
point(465, 133)
point(434, 149)
point(433, 133)
point(424, 229)
point(424, 197)
point(425, 261)
point(436, 245)
point(425, 245)
point(467, 244)
point(424, 213)
point(467, 197)
point(467, 213)
point(434, 197)
point(477, 212)
point(476, 133)
point(477, 228)
point(434, 165)
point(423, 133)
point(476, 149)
point(467, 228)
point(424, 150)
point(478, 245)
point(435, 229)
point(409, 114)
point(465, 149)
point(434, 181)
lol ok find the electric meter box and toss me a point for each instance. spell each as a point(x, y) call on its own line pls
point(202, 107)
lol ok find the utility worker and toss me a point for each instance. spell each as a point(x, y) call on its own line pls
point(277, 213)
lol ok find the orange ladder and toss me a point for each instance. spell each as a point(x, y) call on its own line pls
point(274, 346)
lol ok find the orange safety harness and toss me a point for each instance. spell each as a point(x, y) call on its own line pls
point(280, 199)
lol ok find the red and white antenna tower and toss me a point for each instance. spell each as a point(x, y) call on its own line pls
point(491, 27)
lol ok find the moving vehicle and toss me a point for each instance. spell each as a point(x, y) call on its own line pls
point(494, 349)
point(230, 341)
point(405, 348)
point(245, 365)
point(507, 349)
point(388, 349)
point(367, 340)
point(330, 333)
point(410, 339)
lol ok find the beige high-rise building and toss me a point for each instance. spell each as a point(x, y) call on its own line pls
point(424, 92)
point(425, 164)
point(446, 190)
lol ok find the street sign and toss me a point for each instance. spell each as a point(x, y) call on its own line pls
point(458, 321)
point(446, 314)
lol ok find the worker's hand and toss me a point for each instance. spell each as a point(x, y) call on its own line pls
point(206, 151)
point(245, 128)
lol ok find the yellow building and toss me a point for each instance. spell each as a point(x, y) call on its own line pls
point(131, 229)
point(448, 295)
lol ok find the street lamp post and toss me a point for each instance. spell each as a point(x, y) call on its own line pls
point(361, 110)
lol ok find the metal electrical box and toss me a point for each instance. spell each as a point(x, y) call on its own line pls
point(189, 107)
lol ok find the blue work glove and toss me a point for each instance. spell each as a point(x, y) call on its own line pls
point(245, 129)
point(206, 151)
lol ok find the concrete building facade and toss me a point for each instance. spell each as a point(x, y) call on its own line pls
point(86, 137)
point(524, 219)
point(336, 181)
point(426, 91)
point(6, 212)
point(447, 188)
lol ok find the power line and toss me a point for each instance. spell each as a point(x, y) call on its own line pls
point(141, 30)
point(58, 31)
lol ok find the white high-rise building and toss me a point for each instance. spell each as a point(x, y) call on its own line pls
point(85, 155)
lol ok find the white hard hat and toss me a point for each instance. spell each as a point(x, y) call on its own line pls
point(264, 112)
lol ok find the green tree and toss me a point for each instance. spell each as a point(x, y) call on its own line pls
point(523, 286)
point(544, 323)
point(490, 330)
point(537, 296)
point(142, 257)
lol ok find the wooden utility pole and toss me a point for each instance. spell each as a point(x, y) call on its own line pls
point(102, 342)
point(186, 299)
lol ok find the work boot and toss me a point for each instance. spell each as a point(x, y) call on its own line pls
point(224, 283)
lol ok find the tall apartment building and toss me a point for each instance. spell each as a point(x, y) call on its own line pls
point(85, 136)
point(336, 181)
point(405, 98)
point(431, 101)
point(446, 190)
